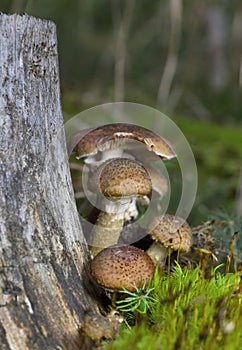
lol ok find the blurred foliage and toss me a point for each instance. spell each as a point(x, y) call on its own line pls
point(218, 153)
point(205, 87)
point(87, 35)
point(224, 226)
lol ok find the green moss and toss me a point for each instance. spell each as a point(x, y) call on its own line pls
point(212, 135)
point(189, 312)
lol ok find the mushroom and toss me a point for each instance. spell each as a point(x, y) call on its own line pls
point(170, 233)
point(118, 267)
point(75, 139)
point(114, 137)
point(121, 181)
point(159, 182)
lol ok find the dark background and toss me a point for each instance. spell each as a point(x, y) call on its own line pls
point(181, 57)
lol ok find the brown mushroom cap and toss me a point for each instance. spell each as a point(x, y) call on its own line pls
point(121, 177)
point(171, 231)
point(159, 182)
point(118, 267)
point(72, 143)
point(111, 136)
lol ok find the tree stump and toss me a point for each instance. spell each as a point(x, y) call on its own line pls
point(43, 253)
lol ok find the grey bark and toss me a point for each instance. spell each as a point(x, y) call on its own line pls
point(43, 255)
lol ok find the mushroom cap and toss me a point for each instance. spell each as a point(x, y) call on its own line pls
point(159, 182)
point(118, 267)
point(112, 136)
point(121, 177)
point(75, 139)
point(171, 231)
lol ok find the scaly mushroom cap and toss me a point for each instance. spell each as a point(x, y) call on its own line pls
point(171, 231)
point(121, 177)
point(118, 267)
point(112, 136)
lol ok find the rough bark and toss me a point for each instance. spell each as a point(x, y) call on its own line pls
point(43, 255)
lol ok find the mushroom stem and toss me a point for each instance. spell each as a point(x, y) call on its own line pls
point(106, 231)
point(157, 253)
point(93, 160)
point(131, 212)
point(115, 153)
point(116, 206)
point(110, 222)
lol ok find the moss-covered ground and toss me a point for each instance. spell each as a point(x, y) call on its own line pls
point(186, 311)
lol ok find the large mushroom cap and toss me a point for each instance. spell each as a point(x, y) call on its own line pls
point(171, 231)
point(75, 139)
point(112, 136)
point(121, 177)
point(118, 267)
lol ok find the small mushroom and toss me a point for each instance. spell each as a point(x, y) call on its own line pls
point(110, 137)
point(124, 266)
point(170, 233)
point(121, 181)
